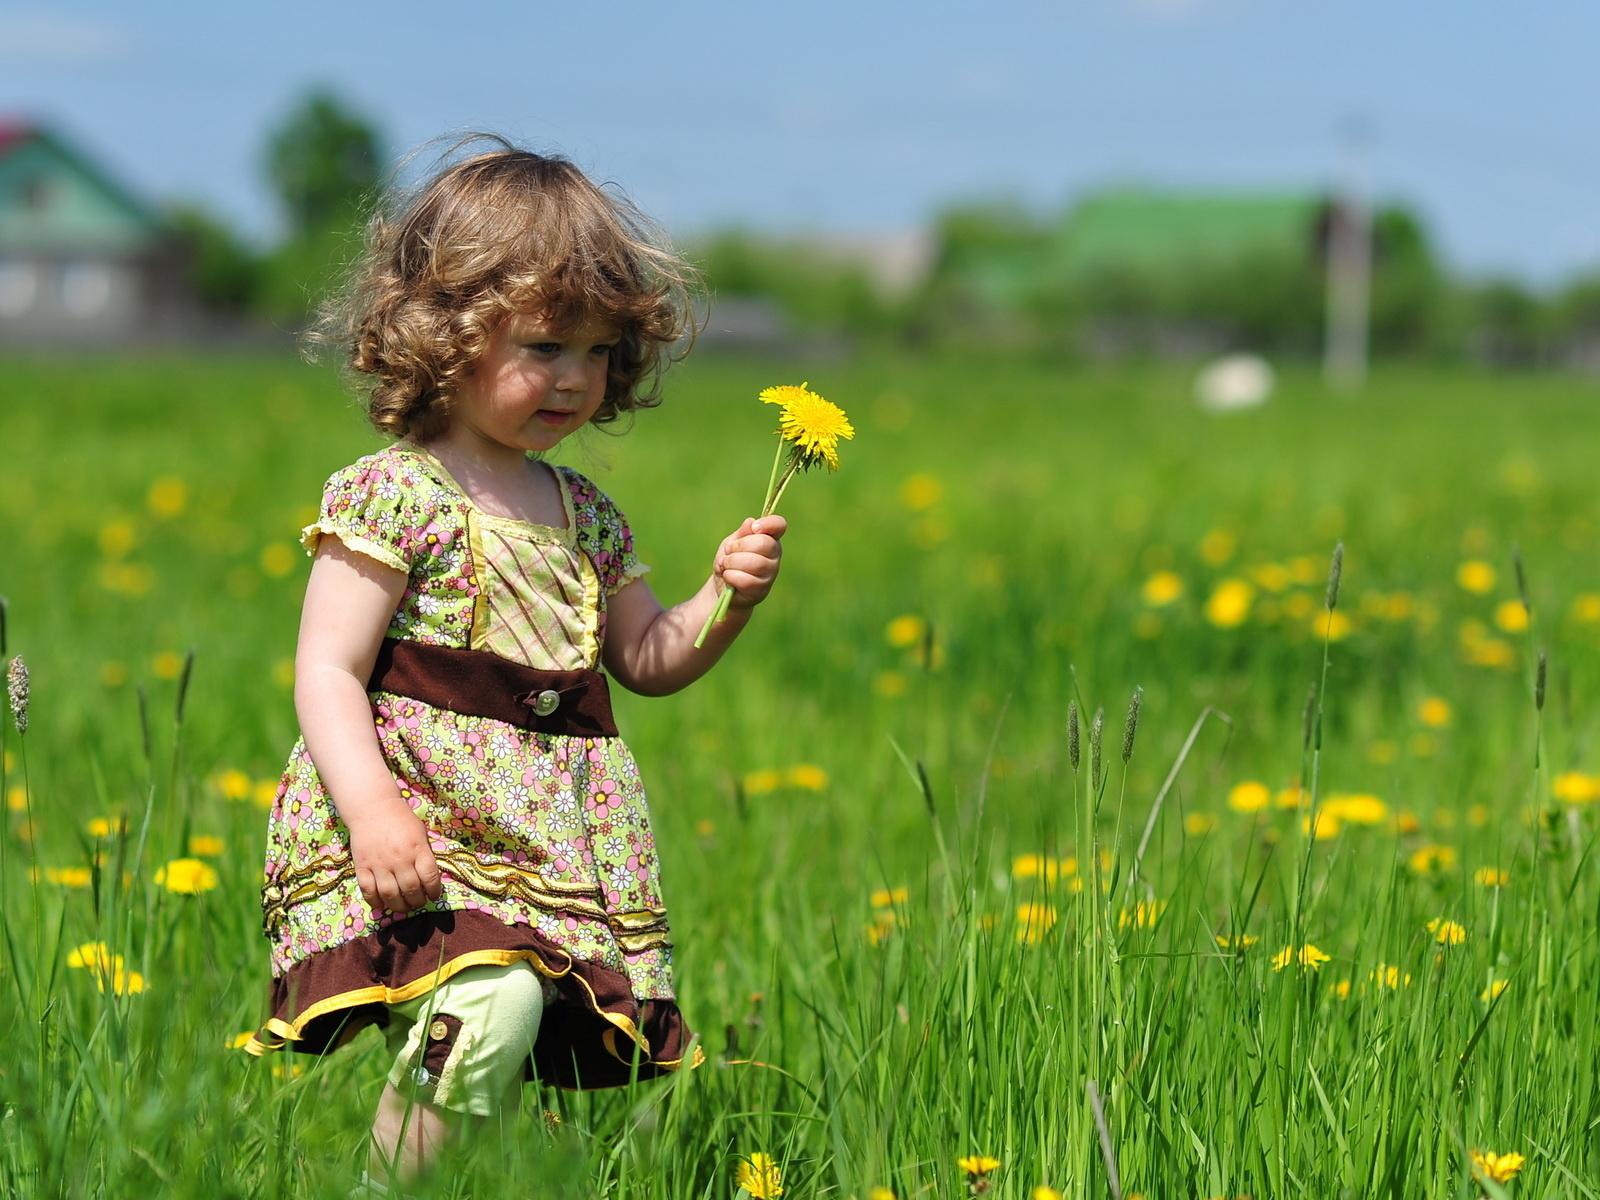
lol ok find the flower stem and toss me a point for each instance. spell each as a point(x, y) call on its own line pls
point(769, 505)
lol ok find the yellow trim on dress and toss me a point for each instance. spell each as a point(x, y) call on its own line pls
point(312, 534)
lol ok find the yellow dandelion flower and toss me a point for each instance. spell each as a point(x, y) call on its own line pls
point(1045, 1193)
point(1435, 712)
point(1586, 608)
point(264, 792)
point(1249, 796)
point(71, 877)
point(1488, 652)
point(1142, 915)
point(167, 496)
point(978, 1164)
point(1306, 956)
point(905, 630)
point(1501, 1168)
point(880, 1193)
point(1162, 588)
point(1357, 808)
point(1218, 546)
point(1243, 942)
point(119, 982)
point(1229, 604)
point(189, 876)
point(759, 1175)
point(168, 664)
point(879, 929)
point(1446, 932)
point(116, 537)
point(1492, 992)
point(93, 954)
point(283, 672)
point(705, 827)
point(1034, 921)
point(810, 423)
point(1198, 824)
point(1334, 626)
point(921, 491)
point(1575, 787)
point(1476, 576)
point(232, 784)
point(205, 845)
point(1292, 797)
point(17, 798)
point(888, 897)
point(1511, 616)
point(1342, 989)
point(1386, 975)
point(759, 783)
point(1271, 577)
point(287, 1071)
point(1491, 877)
point(806, 776)
point(1432, 859)
point(1326, 827)
point(105, 827)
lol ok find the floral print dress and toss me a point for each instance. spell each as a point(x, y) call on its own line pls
point(543, 840)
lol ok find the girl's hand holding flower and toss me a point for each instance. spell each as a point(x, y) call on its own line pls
point(747, 561)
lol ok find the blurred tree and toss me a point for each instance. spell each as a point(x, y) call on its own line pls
point(323, 160)
point(222, 269)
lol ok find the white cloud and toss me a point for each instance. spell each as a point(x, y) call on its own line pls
point(51, 39)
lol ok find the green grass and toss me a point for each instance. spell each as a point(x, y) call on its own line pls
point(864, 1060)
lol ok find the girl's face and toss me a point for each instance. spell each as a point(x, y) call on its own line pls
point(532, 386)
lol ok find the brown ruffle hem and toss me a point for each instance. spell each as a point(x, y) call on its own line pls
point(595, 1033)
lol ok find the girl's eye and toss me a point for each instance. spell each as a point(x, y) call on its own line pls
point(602, 349)
point(545, 347)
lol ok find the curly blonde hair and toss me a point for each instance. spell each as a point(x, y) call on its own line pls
point(502, 232)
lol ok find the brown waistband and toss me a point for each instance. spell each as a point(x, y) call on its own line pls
point(478, 683)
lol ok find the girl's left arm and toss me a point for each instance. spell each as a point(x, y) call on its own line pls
point(650, 649)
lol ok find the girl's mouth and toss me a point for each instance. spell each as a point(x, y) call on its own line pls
point(552, 417)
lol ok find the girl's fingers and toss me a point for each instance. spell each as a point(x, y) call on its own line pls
point(428, 875)
point(411, 891)
point(368, 885)
point(750, 564)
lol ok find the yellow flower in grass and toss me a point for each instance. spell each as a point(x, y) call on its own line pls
point(1386, 975)
point(1342, 989)
point(809, 422)
point(1034, 921)
point(205, 845)
point(1042, 866)
point(105, 827)
point(921, 491)
point(1046, 1193)
point(978, 1164)
point(1501, 1168)
point(1435, 712)
point(264, 792)
point(189, 876)
point(168, 495)
point(92, 954)
point(1575, 787)
point(1356, 808)
point(233, 784)
point(1162, 588)
point(1307, 956)
point(1197, 824)
point(1334, 626)
point(1586, 608)
point(905, 630)
point(1492, 992)
point(1511, 616)
point(118, 981)
point(880, 1193)
point(168, 664)
point(1243, 942)
point(1229, 604)
point(277, 559)
point(1475, 576)
point(1142, 915)
point(1432, 859)
point(1217, 546)
point(1491, 877)
point(759, 1176)
point(1249, 796)
point(889, 897)
point(72, 877)
point(890, 685)
point(759, 783)
point(806, 776)
point(17, 799)
point(1447, 932)
point(1325, 828)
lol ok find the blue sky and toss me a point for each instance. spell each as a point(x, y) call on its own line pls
point(861, 117)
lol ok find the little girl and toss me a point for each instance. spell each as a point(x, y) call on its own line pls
point(460, 851)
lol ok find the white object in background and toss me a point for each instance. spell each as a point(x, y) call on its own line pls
point(1232, 382)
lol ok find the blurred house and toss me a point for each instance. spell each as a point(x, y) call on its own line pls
point(83, 261)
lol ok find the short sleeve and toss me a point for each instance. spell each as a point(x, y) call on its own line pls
point(605, 536)
point(372, 506)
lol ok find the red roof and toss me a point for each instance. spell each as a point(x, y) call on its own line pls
point(13, 131)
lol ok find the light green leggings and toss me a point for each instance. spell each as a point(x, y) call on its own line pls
point(463, 1046)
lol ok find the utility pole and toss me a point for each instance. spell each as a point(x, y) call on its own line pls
point(1344, 361)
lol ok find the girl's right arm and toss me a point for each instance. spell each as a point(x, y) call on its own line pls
point(350, 599)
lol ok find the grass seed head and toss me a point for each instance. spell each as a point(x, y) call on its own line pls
point(1097, 730)
point(1335, 570)
point(1131, 726)
point(1074, 744)
point(17, 692)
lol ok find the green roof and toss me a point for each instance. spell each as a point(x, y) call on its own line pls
point(53, 197)
point(1145, 231)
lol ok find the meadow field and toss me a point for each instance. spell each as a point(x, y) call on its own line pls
point(915, 930)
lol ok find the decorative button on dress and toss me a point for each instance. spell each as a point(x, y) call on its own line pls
point(543, 839)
